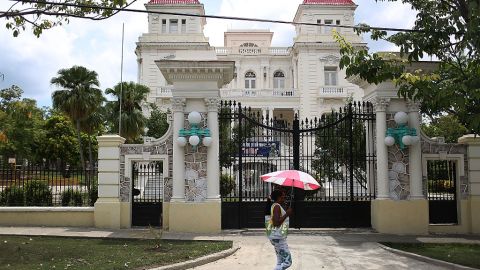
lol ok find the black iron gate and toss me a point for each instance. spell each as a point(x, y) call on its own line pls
point(147, 191)
point(336, 149)
point(442, 195)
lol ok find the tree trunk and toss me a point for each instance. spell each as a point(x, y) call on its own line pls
point(82, 159)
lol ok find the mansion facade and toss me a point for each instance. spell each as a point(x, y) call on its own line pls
point(304, 78)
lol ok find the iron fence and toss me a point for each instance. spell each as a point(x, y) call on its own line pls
point(40, 185)
point(442, 176)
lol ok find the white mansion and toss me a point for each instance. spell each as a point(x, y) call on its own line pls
point(279, 81)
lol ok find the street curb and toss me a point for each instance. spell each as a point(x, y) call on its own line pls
point(427, 259)
point(199, 261)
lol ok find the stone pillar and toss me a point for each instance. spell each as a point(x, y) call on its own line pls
point(196, 87)
point(473, 143)
point(415, 151)
point(107, 207)
point(178, 190)
point(213, 164)
point(382, 151)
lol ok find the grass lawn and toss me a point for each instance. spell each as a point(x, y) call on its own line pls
point(463, 254)
point(20, 252)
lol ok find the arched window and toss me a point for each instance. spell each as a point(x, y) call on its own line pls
point(250, 79)
point(278, 80)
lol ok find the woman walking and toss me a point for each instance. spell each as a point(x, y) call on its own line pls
point(277, 229)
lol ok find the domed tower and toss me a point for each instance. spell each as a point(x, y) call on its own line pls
point(170, 37)
point(322, 84)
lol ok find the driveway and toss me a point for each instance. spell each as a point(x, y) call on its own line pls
point(317, 251)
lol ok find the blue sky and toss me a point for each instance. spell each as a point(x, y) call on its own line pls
point(31, 62)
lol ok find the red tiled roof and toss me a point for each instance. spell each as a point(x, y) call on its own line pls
point(328, 2)
point(174, 2)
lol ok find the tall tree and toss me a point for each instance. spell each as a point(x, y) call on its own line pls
point(447, 30)
point(60, 145)
point(78, 98)
point(94, 125)
point(132, 119)
point(21, 124)
point(41, 16)
point(157, 123)
point(446, 126)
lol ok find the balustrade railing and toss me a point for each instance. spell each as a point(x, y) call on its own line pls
point(253, 50)
point(232, 93)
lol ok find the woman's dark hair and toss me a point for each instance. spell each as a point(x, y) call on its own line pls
point(276, 194)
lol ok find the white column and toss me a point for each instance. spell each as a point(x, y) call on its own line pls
point(270, 112)
point(382, 151)
point(213, 164)
point(178, 192)
point(415, 153)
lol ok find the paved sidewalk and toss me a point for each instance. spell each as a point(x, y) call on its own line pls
point(312, 249)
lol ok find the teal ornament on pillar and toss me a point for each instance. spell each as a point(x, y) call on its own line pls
point(195, 133)
point(402, 134)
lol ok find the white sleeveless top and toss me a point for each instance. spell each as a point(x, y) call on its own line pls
point(279, 232)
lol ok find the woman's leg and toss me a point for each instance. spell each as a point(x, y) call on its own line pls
point(275, 243)
point(285, 256)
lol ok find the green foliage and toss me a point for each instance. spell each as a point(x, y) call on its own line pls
point(72, 197)
point(157, 124)
point(227, 185)
point(12, 196)
point(447, 31)
point(60, 141)
point(21, 124)
point(332, 148)
point(446, 126)
point(441, 186)
point(40, 16)
point(38, 193)
point(78, 99)
point(133, 121)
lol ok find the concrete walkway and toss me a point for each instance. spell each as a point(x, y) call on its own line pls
point(317, 249)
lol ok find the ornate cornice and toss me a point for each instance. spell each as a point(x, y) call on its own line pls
point(212, 104)
point(330, 59)
point(178, 104)
point(380, 104)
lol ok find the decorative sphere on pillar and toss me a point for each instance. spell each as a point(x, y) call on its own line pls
point(389, 141)
point(194, 118)
point(401, 118)
point(407, 140)
point(194, 140)
point(207, 141)
point(181, 141)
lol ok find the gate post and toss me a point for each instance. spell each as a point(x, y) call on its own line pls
point(400, 206)
point(196, 87)
point(473, 143)
point(108, 207)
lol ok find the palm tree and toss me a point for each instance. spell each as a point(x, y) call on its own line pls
point(133, 121)
point(78, 98)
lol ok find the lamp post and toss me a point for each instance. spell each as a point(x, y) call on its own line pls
point(401, 135)
point(195, 133)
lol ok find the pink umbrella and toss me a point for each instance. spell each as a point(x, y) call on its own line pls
point(292, 178)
